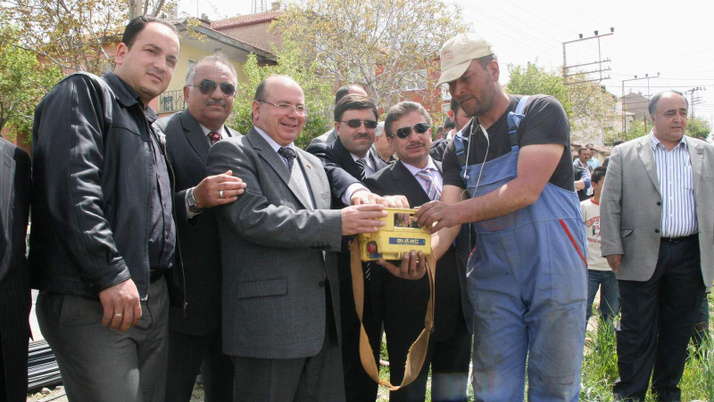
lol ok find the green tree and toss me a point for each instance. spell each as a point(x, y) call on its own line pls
point(76, 35)
point(589, 107)
point(318, 92)
point(532, 80)
point(388, 46)
point(698, 128)
point(23, 83)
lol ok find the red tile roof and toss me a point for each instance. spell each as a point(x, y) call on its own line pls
point(246, 19)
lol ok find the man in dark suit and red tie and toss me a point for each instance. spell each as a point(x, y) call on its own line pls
point(195, 322)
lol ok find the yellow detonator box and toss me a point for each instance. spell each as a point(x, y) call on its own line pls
point(399, 235)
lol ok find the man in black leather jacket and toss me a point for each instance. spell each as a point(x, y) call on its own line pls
point(103, 232)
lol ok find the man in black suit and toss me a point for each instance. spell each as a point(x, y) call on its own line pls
point(417, 176)
point(331, 135)
point(195, 337)
point(348, 161)
point(15, 299)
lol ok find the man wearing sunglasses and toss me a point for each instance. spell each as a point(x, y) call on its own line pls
point(195, 334)
point(331, 135)
point(418, 177)
point(348, 161)
point(510, 174)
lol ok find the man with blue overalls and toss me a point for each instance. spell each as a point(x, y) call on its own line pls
point(509, 173)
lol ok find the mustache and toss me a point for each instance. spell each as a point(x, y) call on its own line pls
point(212, 102)
point(361, 135)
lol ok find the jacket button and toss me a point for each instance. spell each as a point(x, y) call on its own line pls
point(656, 230)
point(321, 284)
point(659, 203)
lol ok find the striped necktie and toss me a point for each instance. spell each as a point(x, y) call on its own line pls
point(361, 163)
point(432, 188)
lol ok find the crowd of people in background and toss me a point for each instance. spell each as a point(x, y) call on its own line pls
point(168, 248)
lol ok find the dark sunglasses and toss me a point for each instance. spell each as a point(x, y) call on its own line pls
point(405, 132)
point(355, 123)
point(207, 86)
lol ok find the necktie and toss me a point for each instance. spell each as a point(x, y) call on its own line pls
point(433, 190)
point(361, 163)
point(214, 136)
point(289, 155)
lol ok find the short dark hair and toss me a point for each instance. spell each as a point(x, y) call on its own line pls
point(455, 106)
point(400, 109)
point(135, 26)
point(343, 91)
point(354, 101)
point(598, 174)
point(652, 107)
point(448, 124)
point(483, 61)
point(618, 142)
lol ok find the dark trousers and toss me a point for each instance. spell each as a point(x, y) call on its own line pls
point(15, 304)
point(359, 386)
point(657, 320)
point(189, 354)
point(449, 361)
point(316, 378)
point(98, 364)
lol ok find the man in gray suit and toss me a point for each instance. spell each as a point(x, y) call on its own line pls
point(194, 322)
point(280, 286)
point(657, 218)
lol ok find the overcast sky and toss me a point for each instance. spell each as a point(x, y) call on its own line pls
point(673, 40)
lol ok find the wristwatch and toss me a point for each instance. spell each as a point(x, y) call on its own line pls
point(191, 200)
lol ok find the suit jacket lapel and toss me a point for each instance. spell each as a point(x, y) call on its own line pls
point(408, 185)
point(344, 159)
point(313, 183)
point(644, 151)
point(696, 157)
point(194, 135)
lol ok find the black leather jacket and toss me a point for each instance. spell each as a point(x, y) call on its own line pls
point(93, 171)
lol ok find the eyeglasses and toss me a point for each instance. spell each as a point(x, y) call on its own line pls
point(405, 132)
point(207, 87)
point(288, 108)
point(355, 123)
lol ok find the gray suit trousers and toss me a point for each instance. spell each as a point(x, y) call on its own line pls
point(101, 365)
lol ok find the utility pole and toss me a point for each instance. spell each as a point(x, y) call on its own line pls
point(599, 60)
point(259, 6)
point(624, 119)
point(692, 100)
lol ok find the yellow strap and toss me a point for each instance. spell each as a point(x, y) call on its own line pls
point(417, 352)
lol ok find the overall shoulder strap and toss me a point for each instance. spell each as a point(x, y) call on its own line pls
point(514, 120)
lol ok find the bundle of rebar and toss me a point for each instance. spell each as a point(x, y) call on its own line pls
point(42, 369)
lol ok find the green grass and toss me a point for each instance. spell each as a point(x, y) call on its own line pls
point(599, 370)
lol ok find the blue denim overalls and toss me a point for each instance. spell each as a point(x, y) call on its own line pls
point(527, 283)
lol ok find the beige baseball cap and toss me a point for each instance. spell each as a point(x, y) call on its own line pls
point(457, 53)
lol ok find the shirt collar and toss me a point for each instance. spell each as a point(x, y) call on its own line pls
point(414, 170)
point(131, 93)
point(656, 142)
point(271, 141)
point(221, 131)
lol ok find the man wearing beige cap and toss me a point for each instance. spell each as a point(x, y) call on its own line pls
point(508, 172)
